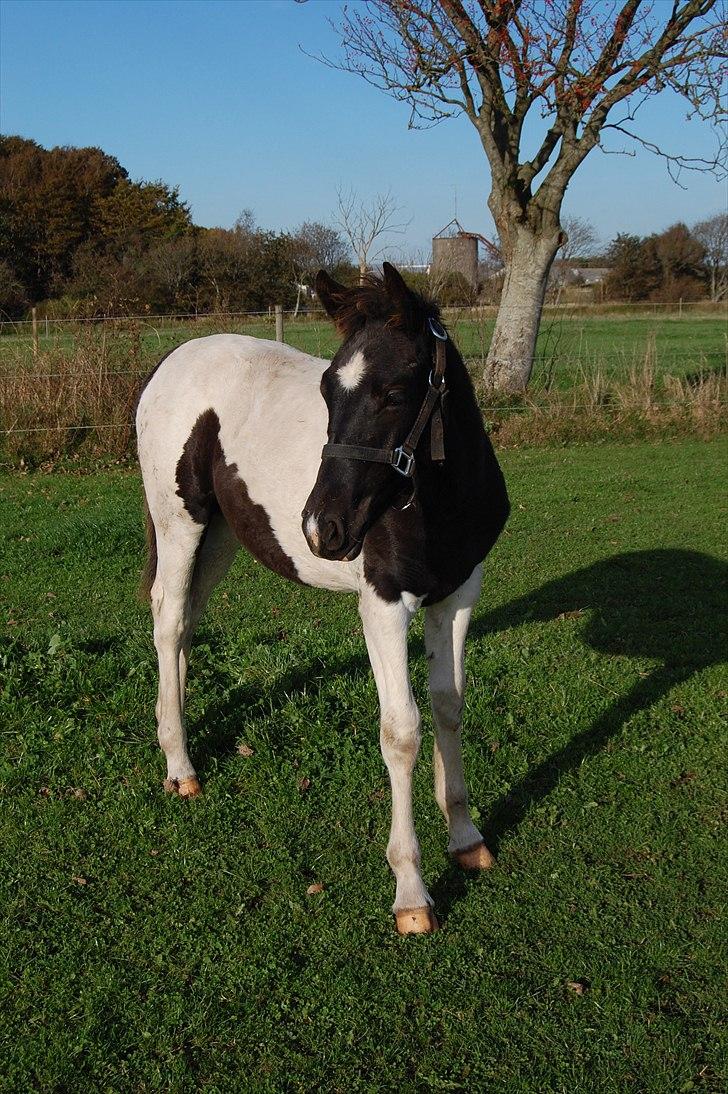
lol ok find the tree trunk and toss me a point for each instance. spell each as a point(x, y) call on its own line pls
point(528, 258)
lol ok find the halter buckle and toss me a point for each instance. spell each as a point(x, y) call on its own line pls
point(440, 388)
point(403, 461)
point(437, 329)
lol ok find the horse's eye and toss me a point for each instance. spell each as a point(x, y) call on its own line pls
point(395, 397)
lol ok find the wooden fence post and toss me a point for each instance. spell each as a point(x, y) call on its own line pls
point(34, 315)
point(279, 322)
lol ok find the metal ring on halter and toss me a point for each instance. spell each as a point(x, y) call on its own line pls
point(437, 329)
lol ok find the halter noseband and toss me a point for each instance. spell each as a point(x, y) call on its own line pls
point(402, 458)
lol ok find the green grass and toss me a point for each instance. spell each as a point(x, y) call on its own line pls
point(154, 944)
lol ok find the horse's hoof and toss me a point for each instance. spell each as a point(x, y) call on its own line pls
point(416, 920)
point(184, 788)
point(477, 857)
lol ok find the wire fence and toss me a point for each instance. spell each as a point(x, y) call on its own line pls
point(672, 309)
point(79, 376)
point(489, 413)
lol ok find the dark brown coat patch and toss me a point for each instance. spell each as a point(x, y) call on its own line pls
point(207, 484)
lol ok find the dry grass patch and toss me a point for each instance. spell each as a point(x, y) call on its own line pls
point(73, 396)
point(635, 407)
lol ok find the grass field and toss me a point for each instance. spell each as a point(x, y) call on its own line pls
point(568, 346)
point(155, 944)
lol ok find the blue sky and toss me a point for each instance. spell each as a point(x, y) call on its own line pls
point(218, 98)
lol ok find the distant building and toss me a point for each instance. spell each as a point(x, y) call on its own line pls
point(455, 251)
point(585, 275)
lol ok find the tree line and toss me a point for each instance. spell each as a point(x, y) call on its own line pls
point(678, 264)
point(79, 236)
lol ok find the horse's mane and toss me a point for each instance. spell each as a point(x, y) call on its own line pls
point(372, 300)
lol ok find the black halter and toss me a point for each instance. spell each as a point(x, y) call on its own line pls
point(402, 458)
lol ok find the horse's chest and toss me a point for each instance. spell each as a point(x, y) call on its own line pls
point(426, 560)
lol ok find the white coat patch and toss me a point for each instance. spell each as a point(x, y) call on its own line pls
point(411, 602)
point(350, 375)
point(312, 531)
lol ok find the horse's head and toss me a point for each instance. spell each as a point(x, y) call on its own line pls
point(374, 389)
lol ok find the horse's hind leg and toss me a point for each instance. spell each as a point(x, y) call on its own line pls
point(177, 548)
point(191, 559)
point(446, 625)
point(215, 554)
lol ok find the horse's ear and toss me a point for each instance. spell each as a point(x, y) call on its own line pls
point(406, 303)
point(332, 295)
point(395, 284)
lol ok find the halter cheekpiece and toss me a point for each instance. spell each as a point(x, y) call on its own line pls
point(402, 458)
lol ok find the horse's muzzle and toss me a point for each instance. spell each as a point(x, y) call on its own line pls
point(327, 537)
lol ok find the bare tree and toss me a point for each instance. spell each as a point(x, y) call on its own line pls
point(312, 246)
point(585, 65)
point(364, 224)
point(713, 235)
point(580, 241)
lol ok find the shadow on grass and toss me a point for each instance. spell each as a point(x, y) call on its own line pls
point(666, 605)
point(663, 605)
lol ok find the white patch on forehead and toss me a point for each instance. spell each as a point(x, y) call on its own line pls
point(350, 374)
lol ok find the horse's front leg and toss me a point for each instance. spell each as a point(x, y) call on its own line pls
point(385, 630)
point(446, 625)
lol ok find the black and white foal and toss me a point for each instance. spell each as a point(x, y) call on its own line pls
point(231, 431)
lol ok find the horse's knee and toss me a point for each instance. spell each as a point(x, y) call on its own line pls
point(171, 624)
point(400, 732)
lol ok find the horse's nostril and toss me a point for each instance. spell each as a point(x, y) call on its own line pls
point(332, 533)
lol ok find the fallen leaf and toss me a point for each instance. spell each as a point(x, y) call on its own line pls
point(245, 750)
point(304, 784)
point(79, 792)
point(579, 987)
point(317, 887)
point(494, 746)
point(572, 614)
point(80, 880)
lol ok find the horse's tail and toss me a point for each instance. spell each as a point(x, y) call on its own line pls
point(150, 566)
